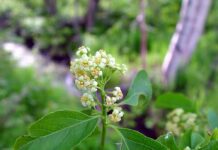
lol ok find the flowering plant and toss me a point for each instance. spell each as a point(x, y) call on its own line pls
point(63, 130)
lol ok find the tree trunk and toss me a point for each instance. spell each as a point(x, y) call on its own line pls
point(188, 31)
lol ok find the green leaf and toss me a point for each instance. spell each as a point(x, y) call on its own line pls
point(140, 86)
point(169, 141)
point(196, 140)
point(212, 119)
point(174, 100)
point(213, 145)
point(214, 135)
point(185, 140)
point(22, 141)
point(56, 121)
point(191, 139)
point(60, 130)
point(133, 140)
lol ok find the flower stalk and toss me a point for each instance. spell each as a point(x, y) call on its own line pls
point(92, 72)
point(104, 119)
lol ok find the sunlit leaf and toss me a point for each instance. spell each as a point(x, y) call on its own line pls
point(60, 130)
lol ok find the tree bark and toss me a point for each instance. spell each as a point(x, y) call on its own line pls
point(188, 31)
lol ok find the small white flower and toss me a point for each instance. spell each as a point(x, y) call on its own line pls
point(100, 59)
point(96, 72)
point(118, 93)
point(175, 112)
point(110, 100)
point(173, 127)
point(85, 63)
point(187, 148)
point(110, 61)
point(116, 115)
point(179, 121)
point(80, 84)
point(89, 71)
point(78, 72)
point(87, 100)
point(123, 68)
point(82, 51)
point(92, 86)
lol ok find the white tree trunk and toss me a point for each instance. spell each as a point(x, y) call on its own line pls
point(188, 31)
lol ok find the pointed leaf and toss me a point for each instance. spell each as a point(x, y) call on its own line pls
point(133, 140)
point(196, 140)
point(60, 130)
point(175, 100)
point(56, 121)
point(22, 141)
point(169, 141)
point(191, 139)
point(140, 86)
point(214, 135)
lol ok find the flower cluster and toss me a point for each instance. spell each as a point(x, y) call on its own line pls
point(91, 72)
point(179, 121)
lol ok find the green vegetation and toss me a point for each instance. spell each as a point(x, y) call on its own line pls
point(26, 95)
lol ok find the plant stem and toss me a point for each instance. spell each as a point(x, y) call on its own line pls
point(104, 119)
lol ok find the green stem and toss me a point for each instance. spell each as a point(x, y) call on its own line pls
point(104, 119)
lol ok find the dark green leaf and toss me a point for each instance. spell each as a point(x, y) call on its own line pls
point(22, 141)
point(60, 130)
point(212, 119)
point(140, 86)
point(169, 141)
point(175, 100)
point(133, 140)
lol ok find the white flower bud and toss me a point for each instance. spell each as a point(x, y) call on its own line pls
point(187, 148)
point(117, 93)
point(116, 115)
point(82, 51)
point(87, 100)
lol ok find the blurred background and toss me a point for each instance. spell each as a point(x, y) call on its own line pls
point(175, 41)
